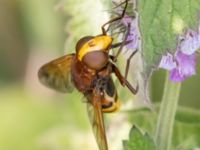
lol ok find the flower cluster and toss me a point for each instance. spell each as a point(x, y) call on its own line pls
point(128, 23)
point(182, 64)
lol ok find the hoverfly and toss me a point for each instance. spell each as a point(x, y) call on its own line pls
point(89, 69)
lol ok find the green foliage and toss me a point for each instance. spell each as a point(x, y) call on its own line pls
point(137, 140)
point(186, 129)
point(160, 23)
point(27, 122)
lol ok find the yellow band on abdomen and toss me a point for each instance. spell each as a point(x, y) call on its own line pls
point(115, 107)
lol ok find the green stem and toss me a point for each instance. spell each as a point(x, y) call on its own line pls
point(167, 114)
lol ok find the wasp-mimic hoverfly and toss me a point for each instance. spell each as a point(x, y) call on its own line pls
point(89, 69)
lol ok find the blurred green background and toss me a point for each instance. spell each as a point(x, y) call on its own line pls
point(33, 32)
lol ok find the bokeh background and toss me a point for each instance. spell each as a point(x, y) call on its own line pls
point(33, 32)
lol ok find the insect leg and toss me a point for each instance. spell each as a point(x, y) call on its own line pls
point(104, 31)
point(128, 63)
point(122, 43)
point(118, 5)
point(124, 81)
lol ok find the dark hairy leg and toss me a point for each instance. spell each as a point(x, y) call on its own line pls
point(104, 31)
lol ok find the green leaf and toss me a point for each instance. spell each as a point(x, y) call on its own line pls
point(186, 129)
point(161, 21)
point(138, 141)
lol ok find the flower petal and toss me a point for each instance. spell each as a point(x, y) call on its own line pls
point(176, 75)
point(133, 33)
point(190, 43)
point(186, 67)
point(167, 62)
point(186, 62)
point(126, 20)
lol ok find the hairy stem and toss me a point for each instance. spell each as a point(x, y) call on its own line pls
point(167, 113)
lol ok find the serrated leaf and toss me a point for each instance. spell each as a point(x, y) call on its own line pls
point(138, 141)
point(161, 21)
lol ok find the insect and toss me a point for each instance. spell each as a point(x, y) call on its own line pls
point(89, 70)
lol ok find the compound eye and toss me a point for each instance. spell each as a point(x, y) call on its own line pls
point(95, 60)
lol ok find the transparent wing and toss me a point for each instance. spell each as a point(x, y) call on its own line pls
point(57, 74)
point(96, 120)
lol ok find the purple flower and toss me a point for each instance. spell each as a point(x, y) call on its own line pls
point(190, 43)
point(133, 33)
point(183, 63)
point(185, 68)
point(168, 62)
point(127, 20)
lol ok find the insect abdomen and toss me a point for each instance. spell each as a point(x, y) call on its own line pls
point(110, 103)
